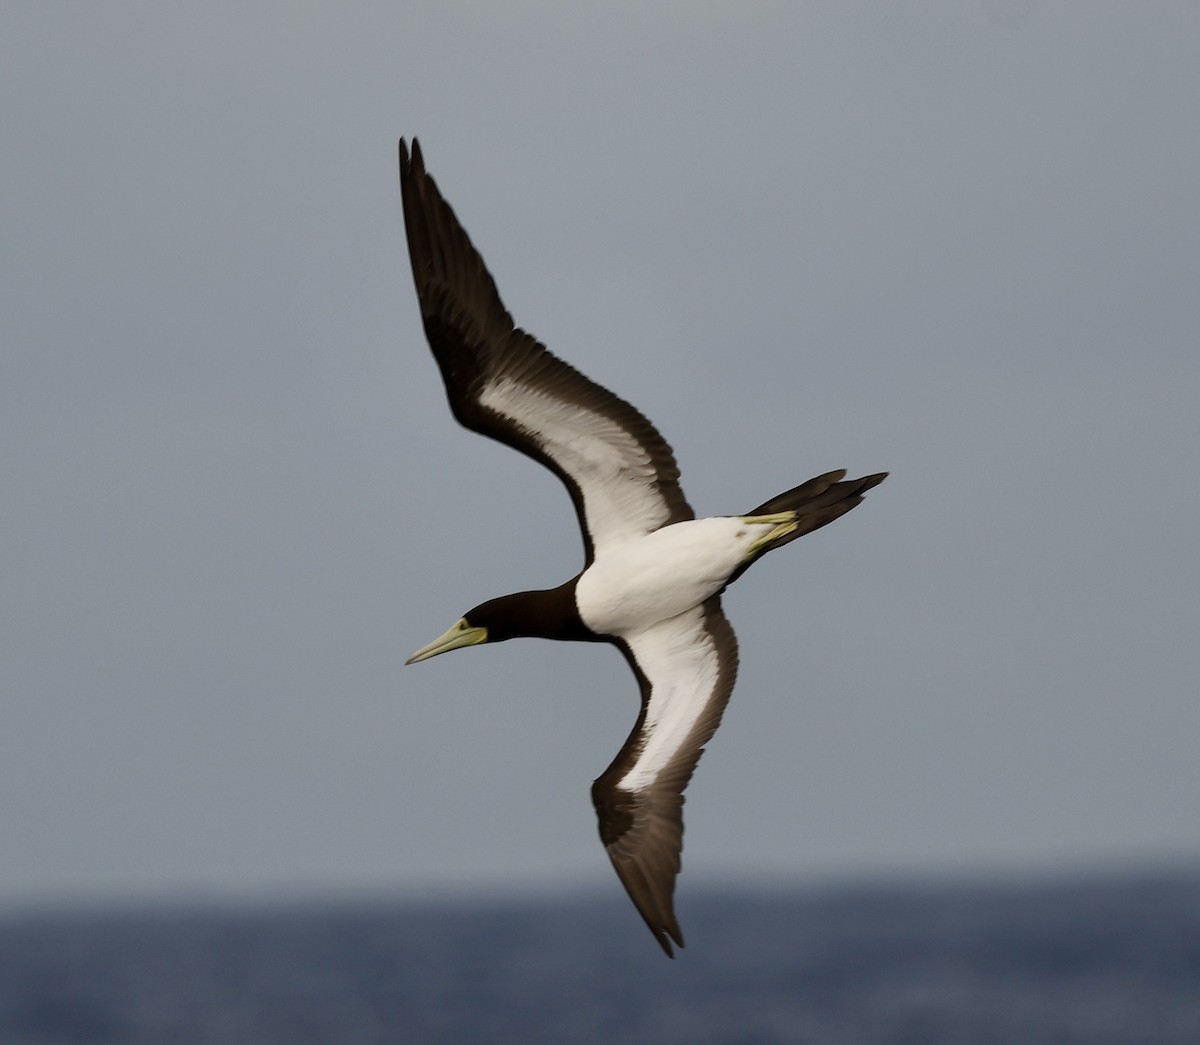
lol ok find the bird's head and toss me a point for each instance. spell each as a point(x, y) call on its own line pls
point(507, 617)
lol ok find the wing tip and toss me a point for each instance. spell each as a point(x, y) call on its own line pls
point(665, 944)
point(411, 160)
point(665, 935)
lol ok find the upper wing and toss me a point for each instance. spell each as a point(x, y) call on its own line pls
point(686, 667)
point(501, 382)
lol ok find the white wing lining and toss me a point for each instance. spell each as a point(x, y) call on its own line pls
point(614, 473)
point(680, 661)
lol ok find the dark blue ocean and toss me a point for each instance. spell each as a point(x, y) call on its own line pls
point(1091, 961)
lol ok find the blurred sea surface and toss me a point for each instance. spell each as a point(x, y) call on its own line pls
point(1096, 960)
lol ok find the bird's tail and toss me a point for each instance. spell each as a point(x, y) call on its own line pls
point(816, 503)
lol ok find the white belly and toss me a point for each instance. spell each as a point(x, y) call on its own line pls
point(649, 579)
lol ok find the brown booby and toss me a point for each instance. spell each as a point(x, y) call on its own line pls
point(653, 573)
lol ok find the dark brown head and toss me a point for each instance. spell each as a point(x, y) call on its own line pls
point(527, 614)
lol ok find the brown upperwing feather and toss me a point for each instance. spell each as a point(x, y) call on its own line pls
point(473, 338)
point(643, 831)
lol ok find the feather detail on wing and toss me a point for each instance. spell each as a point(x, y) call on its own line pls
point(686, 667)
point(502, 383)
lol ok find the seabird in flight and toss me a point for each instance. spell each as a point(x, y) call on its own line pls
point(653, 573)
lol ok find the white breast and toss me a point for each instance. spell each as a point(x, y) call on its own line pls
point(646, 579)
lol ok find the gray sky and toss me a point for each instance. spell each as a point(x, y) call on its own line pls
point(957, 241)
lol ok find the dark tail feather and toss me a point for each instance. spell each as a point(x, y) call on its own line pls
point(818, 502)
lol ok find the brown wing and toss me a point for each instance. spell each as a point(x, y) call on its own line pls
point(620, 472)
point(686, 668)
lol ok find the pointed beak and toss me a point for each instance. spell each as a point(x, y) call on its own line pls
point(462, 634)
